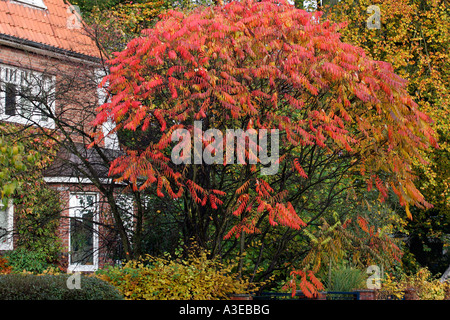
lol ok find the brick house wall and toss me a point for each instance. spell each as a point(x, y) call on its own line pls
point(70, 113)
point(65, 73)
point(50, 48)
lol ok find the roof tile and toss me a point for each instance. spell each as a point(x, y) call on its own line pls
point(48, 27)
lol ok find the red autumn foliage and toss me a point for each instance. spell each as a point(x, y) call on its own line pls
point(262, 65)
point(5, 268)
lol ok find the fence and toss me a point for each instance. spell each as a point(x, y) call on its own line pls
point(334, 295)
point(410, 294)
point(328, 295)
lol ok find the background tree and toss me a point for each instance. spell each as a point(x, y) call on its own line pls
point(87, 6)
point(414, 37)
point(114, 24)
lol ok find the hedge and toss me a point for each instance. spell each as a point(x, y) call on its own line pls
point(54, 287)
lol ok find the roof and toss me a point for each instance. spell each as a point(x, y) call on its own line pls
point(54, 28)
point(68, 164)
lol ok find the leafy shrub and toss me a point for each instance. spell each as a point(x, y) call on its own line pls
point(427, 286)
point(391, 288)
point(21, 259)
point(37, 207)
point(37, 211)
point(54, 287)
point(5, 268)
point(196, 278)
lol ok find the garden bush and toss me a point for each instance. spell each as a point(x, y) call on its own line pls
point(193, 278)
point(427, 286)
point(5, 268)
point(54, 287)
point(21, 260)
point(37, 211)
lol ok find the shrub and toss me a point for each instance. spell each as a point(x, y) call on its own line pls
point(391, 289)
point(196, 278)
point(54, 287)
point(21, 259)
point(5, 268)
point(428, 287)
point(37, 213)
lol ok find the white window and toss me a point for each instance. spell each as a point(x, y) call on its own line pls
point(35, 3)
point(83, 232)
point(26, 96)
point(111, 140)
point(125, 204)
point(6, 226)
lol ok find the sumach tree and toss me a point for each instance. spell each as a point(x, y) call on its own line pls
point(261, 65)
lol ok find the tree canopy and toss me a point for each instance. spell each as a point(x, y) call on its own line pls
point(261, 65)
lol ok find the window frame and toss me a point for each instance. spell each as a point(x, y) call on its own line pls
point(8, 245)
point(111, 139)
point(125, 204)
point(34, 3)
point(73, 205)
point(15, 76)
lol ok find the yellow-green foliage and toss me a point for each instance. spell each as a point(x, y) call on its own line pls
point(391, 288)
point(427, 286)
point(195, 278)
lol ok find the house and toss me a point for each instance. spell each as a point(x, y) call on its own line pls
point(46, 58)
